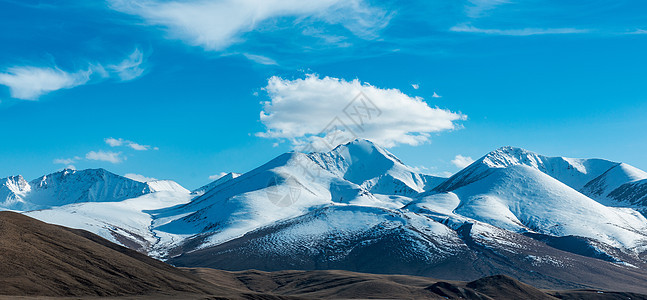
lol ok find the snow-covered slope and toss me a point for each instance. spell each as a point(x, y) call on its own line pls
point(124, 222)
point(631, 194)
point(605, 188)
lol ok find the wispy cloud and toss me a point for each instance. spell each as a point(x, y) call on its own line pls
point(108, 156)
point(301, 109)
point(131, 67)
point(638, 31)
point(29, 83)
point(260, 59)
point(516, 32)
point(32, 82)
point(216, 25)
point(462, 161)
point(478, 8)
point(113, 142)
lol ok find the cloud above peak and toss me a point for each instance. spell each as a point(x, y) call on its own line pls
point(216, 25)
point(108, 156)
point(311, 108)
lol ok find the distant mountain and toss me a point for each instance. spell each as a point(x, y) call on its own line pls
point(553, 221)
point(71, 186)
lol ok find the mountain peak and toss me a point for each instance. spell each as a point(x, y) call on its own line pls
point(370, 166)
point(360, 148)
point(509, 156)
point(15, 178)
point(574, 172)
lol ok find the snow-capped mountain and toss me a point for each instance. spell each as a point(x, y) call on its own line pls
point(71, 186)
point(360, 208)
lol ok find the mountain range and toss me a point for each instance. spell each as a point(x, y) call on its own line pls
point(553, 222)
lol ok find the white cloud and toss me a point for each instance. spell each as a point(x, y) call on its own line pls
point(131, 67)
point(64, 161)
point(216, 25)
point(217, 176)
point(138, 147)
point(113, 142)
point(140, 178)
point(29, 83)
point(260, 59)
point(436, 95)
point(109, 156)
point(516, 32)
point(301, 109)
point(415, 86)
point(462, 161)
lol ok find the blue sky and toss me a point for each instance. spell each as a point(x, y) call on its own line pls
point(187, 90)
